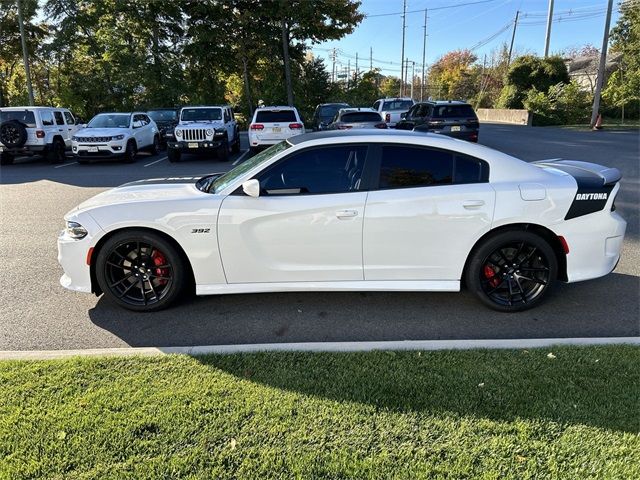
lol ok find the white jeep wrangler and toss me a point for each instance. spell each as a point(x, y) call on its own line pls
point(205, 129)
point(30, 131)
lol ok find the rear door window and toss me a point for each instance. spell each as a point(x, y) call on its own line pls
point(69, 118)
point(59, 118)
point(47, 118)
point(275, 116)
point(470, 170)
point(23, 116)
point(408, 166)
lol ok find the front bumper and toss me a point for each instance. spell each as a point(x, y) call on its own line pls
point(102, 150)
point(72, 257)
point(207, 145)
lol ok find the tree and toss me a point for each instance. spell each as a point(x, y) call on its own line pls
point(453, 76)
point(529, 71)
point(623, 86)
point(390, 87)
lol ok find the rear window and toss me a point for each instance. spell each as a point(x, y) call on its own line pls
point(271, 116)
point(452, 111)
point(23, 116)
point(330, 110)
point(361, 117)
point(397, 105)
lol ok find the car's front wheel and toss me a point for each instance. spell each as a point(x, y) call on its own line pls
point(155, 146)
point(140, 271)
point(512, 271)
point(223, 150)
point(131, 152)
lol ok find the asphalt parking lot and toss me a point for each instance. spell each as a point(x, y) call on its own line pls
point(37, 313)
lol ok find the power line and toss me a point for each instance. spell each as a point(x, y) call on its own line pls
point(430, 9)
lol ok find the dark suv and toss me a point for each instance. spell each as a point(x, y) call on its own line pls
point(324, 114)
point(451, 118)
point(166, 119)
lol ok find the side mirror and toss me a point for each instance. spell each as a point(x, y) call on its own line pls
point(251, 188)
point(403, 115)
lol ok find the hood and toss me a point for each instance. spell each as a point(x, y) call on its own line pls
point(205, 125)
point(150, 190)
point(101, 132)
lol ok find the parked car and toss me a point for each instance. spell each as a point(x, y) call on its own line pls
point(324, 115)
point(356, 118)
point(357, 211)
point(205, 129)
point(166, 120)
point(392, 108)
point(271, 125)
point(451, 118)
point(116, 136)
point(31, 131)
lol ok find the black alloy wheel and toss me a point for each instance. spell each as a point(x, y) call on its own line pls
point(140, 272)
point(130, 152)
point(155, 147)
point(223, 150)
point(236, 143)
point(13, 134)
point(512, 271)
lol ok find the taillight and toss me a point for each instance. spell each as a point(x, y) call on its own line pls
point(39, 134)
point(387, 118)
point(295, 126)
point(256, 126)
point(380, 125)
point(473, 137)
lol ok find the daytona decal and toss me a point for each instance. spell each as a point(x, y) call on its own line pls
point(591, 196)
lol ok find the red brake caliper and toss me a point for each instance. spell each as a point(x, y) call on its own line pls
point(490, 274)
point(159, 259)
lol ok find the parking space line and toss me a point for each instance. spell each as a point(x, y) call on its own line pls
point(155, 161)
point(64, 165)
point(240, 158)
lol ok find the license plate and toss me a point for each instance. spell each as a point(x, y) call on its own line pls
point(92, 149)
point(455, 128)
point(192, 145)
point(276, 129)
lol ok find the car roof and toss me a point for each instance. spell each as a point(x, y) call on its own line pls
point(357, 109)
point(395, 98)
point(116, 113)
point(32, 108)
point(446, 102)
point(332, 103)
point(202, 106)
point(276, 107)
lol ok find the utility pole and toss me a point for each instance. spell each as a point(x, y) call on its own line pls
point(406, 73)
point(25, 54)
point(404, 27)
point(356, 76)
point(370, 58)
point(333, 68)
point(601, 66)
point(547, 37)
point(424, 54)
point(413, 75)
point(513, 36)
point(348, 73)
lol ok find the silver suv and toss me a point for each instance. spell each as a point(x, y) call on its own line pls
point(30, 131)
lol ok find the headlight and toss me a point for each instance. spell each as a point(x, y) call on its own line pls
point(118, 137)
point(74, 139)
point(75, 230)
point(178, 133)
point(208, 132)
point(219, 132)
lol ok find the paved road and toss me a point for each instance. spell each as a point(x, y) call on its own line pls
point(36, 313)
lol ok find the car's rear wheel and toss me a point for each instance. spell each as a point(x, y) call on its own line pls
point(131, 152)
point(6, 158)
point(140, 271)
point(236, 143)
point(56, 152)
point(173, 155)
point(223, 150)
point(512, 271)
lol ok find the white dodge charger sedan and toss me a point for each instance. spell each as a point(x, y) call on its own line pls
point(351, 211)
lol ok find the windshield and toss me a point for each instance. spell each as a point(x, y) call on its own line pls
point(24, 116)
point(201, 114)
point(163, 115)
point(228, 178)
point(110, 120)
point(353, 117)
point(397, 105)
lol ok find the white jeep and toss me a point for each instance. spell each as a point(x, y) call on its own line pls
point(31, 131)
point(205, 129)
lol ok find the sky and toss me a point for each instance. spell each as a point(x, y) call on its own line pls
point(576, 23)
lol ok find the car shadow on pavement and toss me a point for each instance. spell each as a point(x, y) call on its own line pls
point(607, 307)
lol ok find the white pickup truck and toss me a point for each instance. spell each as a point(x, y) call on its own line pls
point(391, 108)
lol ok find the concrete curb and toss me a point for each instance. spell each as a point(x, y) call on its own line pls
point(317, 347)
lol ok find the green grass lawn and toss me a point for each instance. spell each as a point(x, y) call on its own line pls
point(406, 415)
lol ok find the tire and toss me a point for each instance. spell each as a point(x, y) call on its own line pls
point(13, 134)
point(511, 271)
point(6, 158)
point(223, 151)
point(236, 144)
point(173, 155)
point(124, 274)
point(130, 153)
point(56, 154)
point(155, 147)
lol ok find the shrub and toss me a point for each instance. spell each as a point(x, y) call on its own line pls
point(564, 103)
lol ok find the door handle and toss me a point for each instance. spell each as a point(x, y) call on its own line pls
point(470, 204)
point(346, 213)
